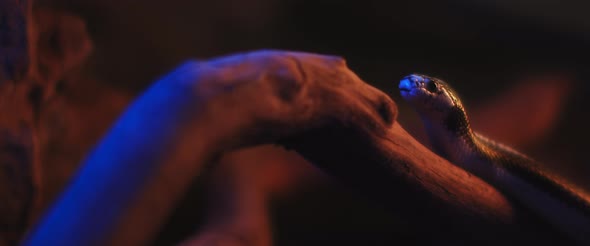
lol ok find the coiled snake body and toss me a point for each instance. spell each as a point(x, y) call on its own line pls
point(513, 173)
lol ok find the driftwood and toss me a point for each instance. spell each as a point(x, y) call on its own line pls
point(313, 104)
point(309, 103)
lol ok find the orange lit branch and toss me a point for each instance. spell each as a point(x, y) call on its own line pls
point(311, 103)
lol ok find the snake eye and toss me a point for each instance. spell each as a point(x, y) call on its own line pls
point(431, 86)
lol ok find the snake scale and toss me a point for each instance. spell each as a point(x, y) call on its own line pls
point(519, 177)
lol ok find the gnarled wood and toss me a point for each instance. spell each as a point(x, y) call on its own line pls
point(311, 103)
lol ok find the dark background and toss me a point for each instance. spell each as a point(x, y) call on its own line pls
point(482, 47)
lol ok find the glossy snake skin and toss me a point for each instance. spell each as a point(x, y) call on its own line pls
point(518, 176)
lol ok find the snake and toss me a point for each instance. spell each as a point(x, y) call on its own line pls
point(521, 178)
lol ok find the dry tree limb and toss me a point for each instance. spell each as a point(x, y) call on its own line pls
point(311, 103)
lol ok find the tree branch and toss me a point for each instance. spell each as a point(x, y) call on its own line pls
point(311, 103)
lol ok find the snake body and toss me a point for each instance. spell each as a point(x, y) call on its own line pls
point(518, 176)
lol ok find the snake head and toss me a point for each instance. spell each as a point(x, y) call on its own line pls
point(431, 97)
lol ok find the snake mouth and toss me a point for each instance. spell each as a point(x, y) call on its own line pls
point(407, 85)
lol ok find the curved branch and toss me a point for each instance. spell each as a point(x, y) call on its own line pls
point(311, 103)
